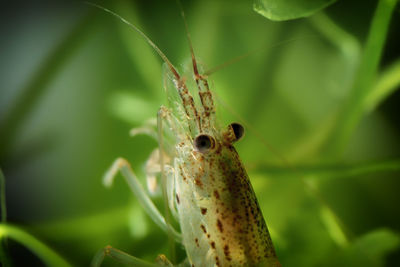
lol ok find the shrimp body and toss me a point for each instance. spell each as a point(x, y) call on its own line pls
point(220, 218)
point(207, 186)
point(221, 221)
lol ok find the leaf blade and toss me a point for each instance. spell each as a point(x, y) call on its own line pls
point(280, 10)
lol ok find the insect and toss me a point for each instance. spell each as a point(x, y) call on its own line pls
point(205, 184)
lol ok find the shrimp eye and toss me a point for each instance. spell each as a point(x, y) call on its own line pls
point(204, 143)
point(238, 130)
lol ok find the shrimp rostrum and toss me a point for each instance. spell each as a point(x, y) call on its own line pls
point(205, 183)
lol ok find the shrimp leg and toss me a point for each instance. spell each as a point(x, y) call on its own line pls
point(165, 117)
point(122, 165)
point(120, 256)
point(125, 258)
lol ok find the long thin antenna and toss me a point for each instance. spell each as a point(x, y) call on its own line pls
point(180, 85)
point(148, 40)
point(195, 69)
point(207, 102)
point(243, 56)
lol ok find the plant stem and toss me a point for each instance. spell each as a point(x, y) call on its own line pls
point(334, 170)
point(386, 84)
point(353, 110)
point(344, 41)
point(46, 254)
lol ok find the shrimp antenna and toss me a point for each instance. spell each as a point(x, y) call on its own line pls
point(202, 83)
point(243, 56)
point(148, 40)
point(195, 69)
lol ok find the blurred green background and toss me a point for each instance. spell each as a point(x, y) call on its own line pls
point(324, 161)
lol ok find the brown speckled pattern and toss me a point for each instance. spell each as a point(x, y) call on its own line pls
point(219, 216)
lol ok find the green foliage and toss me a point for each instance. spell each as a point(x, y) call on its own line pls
point(47, 255)
point(366, 74)
point(321, 144)
point(367, 250)
point(385, 85)
point(289, 9)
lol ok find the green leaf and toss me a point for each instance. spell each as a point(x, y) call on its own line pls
point(387, 83)
point(45, 253)
point(289, 9)
point(368, 250)
point(337, 170)
point(354, 110)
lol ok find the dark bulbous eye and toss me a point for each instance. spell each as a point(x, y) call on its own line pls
point(238, 130)
point(204, 143)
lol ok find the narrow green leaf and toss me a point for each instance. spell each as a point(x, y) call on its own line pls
point(353, 110)
point(46, 254)
point(368, 250)
point(386, 84)
point(332, 170)
point(344, 41)
point(289, 9)
point(377, 243)
point(334, 227)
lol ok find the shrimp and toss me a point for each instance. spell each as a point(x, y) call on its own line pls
point(206, 186)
